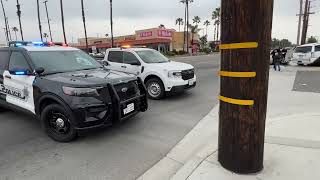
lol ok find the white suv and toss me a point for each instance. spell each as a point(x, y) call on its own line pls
point(307, 54)
point(159, 74)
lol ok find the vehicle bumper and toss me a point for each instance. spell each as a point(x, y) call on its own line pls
point(92, 117)
point(180, 84)
point(176, 89)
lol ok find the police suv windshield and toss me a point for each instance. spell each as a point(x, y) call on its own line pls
point(63, 61)
point(152, 56)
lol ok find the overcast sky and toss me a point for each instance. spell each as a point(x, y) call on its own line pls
point(131, 15)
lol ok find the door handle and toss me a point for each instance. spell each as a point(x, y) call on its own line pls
point(124, 66)
point(7, 76)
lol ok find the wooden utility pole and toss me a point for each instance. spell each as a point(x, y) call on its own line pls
point(305, 24)
point(84, 26)
point(245, 52)
point(62, 22)
point(39, 21)
point(111, 22)
point(299, 23)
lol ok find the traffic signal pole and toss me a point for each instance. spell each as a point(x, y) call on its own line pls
point(245, 52)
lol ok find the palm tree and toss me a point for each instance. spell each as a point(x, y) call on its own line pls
point(194, 30)
point(161, 26)
point(5, 21)
point(196, 20)
point(15, 30)
point(186, 34)
point(216, 17)
point(62, 22)
point(207, 23)
point(39, 22)
point(19, 17)
point(45, 35)
point(179, 21)
point(84, 26)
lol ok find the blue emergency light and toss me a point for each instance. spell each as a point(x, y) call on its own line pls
point(20, 73)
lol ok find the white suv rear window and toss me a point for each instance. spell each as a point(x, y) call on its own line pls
point(304, 49)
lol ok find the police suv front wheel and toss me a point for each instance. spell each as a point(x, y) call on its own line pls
point(56, 122)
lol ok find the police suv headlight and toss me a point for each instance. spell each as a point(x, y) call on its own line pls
point(174, 74)
point(86, 92)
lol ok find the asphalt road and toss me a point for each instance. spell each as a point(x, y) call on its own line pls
point(117, 153)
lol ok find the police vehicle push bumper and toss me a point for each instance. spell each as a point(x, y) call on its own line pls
point(116, 106)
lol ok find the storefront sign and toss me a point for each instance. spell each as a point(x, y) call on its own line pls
point(164, 33)
point(146, 34)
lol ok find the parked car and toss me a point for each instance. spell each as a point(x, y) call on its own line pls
point(307, 54)
point(159, 74)
point(66, 89)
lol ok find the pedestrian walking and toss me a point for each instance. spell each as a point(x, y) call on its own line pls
point(277, 55)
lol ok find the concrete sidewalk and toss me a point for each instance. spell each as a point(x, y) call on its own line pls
point(292, 149)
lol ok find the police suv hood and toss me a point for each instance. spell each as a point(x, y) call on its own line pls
point(172, 66)
point(91, 77)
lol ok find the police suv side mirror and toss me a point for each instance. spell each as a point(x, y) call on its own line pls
point(39, 70)
point(105, 63)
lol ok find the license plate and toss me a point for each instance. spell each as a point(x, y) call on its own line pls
point(128, 109)
point(191, 82)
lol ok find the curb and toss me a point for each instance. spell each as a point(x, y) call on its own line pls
point(187, 150)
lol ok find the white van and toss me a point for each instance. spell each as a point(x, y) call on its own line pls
point(307, 54)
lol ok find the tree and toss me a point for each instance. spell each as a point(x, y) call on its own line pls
point(203, 42)
point(179, 21)
point(162, 26)
point(45, 35)
point(312, 39)
point(277, 43)
point(84, 25)
point(207, 24)
point(15, 30)
point(194, 30)
point(196, 20)
point(62, 22)
point(186, 34)
point(216, 17)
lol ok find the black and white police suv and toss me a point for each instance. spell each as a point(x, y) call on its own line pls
point(66, 89)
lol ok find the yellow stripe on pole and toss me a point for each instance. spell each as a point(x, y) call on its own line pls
point(245, 45)
point(237, 101)
point(237, 74)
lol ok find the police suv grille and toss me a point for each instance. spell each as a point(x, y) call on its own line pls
point(187, 74)
point(127, 90)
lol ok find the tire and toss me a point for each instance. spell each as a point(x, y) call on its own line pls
point(56, 123)
point(2, 109)
point(155, 89)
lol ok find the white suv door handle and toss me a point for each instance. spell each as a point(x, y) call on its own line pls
point(124, 66)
